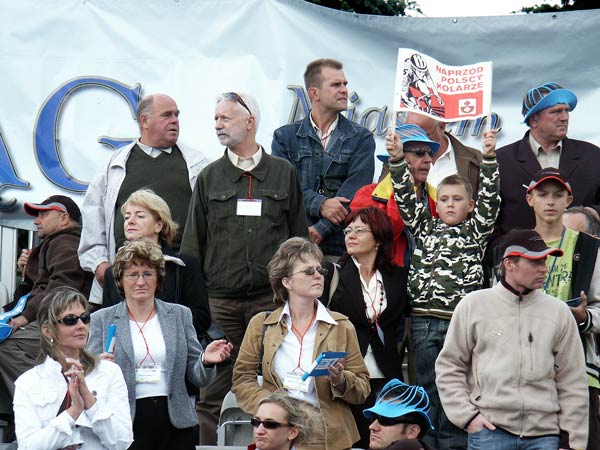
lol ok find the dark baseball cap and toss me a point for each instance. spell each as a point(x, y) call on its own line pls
point(549, 173)
point(55, 203)
point(526, 244)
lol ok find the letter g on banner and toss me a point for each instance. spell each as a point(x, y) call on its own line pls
point(45, 142)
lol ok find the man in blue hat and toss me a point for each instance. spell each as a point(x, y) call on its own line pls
point(545, 111)
point(399, 418)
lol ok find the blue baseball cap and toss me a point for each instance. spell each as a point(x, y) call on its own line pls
point(545, 96)
point(398, 399)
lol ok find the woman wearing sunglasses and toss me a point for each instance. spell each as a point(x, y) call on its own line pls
point(71, 398)
point(372, 292)
point(281, 423)
point(157, 349)
point(282, 345)
point(147, 215)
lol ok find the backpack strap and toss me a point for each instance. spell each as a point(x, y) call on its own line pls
point(262, 345)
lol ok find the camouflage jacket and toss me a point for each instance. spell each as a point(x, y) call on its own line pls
point(446, 264)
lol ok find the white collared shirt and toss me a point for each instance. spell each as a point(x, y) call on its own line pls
point(246, 164)
point(546, 158)
point(444, 166)
point(288, 353)
point(324, 137)
point(153, 152)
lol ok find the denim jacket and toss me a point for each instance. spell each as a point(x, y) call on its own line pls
point(346, 166)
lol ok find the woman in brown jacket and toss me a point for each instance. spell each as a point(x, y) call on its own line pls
point(282, 345)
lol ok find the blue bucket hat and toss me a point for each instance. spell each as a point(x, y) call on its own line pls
point(409, 132)
point(398, 399)
point(545, 96)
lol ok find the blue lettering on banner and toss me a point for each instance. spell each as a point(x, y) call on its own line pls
point(8, 176)
point(45, 141)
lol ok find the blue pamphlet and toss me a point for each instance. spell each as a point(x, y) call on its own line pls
point(322, 363)
point(109, 346)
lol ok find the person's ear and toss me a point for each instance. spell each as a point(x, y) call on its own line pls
point(293, 434)
point(471, 205)
point(413, 431)
point(529, 199)
point(569, 200)
point(285, 281)
point(159, 226)
point(313, 93)
point(46, 331)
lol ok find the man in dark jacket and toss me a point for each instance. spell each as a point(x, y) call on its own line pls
point(53, 263)
point(399, 418)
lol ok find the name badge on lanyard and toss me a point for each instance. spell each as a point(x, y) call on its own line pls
point(293, 382)
point(249, 207)
point(147, 374)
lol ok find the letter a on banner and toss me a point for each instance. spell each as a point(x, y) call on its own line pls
point(446, 93)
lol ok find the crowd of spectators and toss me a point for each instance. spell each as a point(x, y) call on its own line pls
point(237, 274)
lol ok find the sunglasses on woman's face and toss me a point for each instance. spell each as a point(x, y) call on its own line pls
point(387, 421)
point(310, 271)
point(268, 424)
point(72, 319)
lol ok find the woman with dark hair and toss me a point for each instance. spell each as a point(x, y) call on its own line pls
point(71, 399)
point(157, 349)
point(287, 341)
point(371, 291)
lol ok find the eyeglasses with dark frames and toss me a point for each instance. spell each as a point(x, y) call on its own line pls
point(268, 424)
point(238, 99)
point(388, 421)
point(71, 319)
point(420, 152)
point(310, 271)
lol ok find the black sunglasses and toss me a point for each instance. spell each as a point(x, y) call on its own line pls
point(420, 152)
point(388, 421)
point(268, 424)
point(310, 271)
point(72, 319)
point(236, 98)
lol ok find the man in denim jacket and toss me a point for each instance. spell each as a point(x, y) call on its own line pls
point(332, 156)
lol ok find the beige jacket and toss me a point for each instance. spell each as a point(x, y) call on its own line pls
point(518, 362)
point(341, 430)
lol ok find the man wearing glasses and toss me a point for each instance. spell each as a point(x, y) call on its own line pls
point(243, 206)
point(53, 263)
point(156, 161)
point(332, 155)
point(399, 418)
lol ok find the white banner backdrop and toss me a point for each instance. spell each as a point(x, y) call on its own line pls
point(59, 56)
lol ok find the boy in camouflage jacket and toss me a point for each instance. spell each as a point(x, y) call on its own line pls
point(447, 262)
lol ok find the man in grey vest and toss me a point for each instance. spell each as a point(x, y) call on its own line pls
point(155, 161)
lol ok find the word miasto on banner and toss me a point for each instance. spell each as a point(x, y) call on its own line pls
point(446, 93)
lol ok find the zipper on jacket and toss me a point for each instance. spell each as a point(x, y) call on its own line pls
point(520, 380)
point(531, 350)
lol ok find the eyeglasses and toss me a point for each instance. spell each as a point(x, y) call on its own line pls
point(72, 319)
point(268, 424)
point(420, 152)
point(134, 276)
point(359, 231)
point(388, 421)
point(310, 271)
point(238, 99)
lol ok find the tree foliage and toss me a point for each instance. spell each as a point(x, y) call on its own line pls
point(565, 5)
point(377, 7)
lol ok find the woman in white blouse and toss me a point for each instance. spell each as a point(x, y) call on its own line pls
point(71, 399)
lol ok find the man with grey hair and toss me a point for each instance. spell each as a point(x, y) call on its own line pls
point(156, 161)
point(244, 205)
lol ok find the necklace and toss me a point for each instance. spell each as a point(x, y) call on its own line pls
point(371, 306)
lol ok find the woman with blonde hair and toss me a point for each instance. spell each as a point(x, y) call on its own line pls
point(147, 215)
point(287, 341)
point(70, 399)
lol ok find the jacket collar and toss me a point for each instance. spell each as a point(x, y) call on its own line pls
point(345, 129)
point(235, 173)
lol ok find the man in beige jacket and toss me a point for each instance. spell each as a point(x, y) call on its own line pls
point(512, 370)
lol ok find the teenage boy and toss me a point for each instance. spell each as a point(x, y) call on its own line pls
point(446, 264)
point(575, 275)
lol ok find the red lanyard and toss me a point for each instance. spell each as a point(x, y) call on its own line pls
point(142, 333)
point(301, 336)
point(249, 185)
